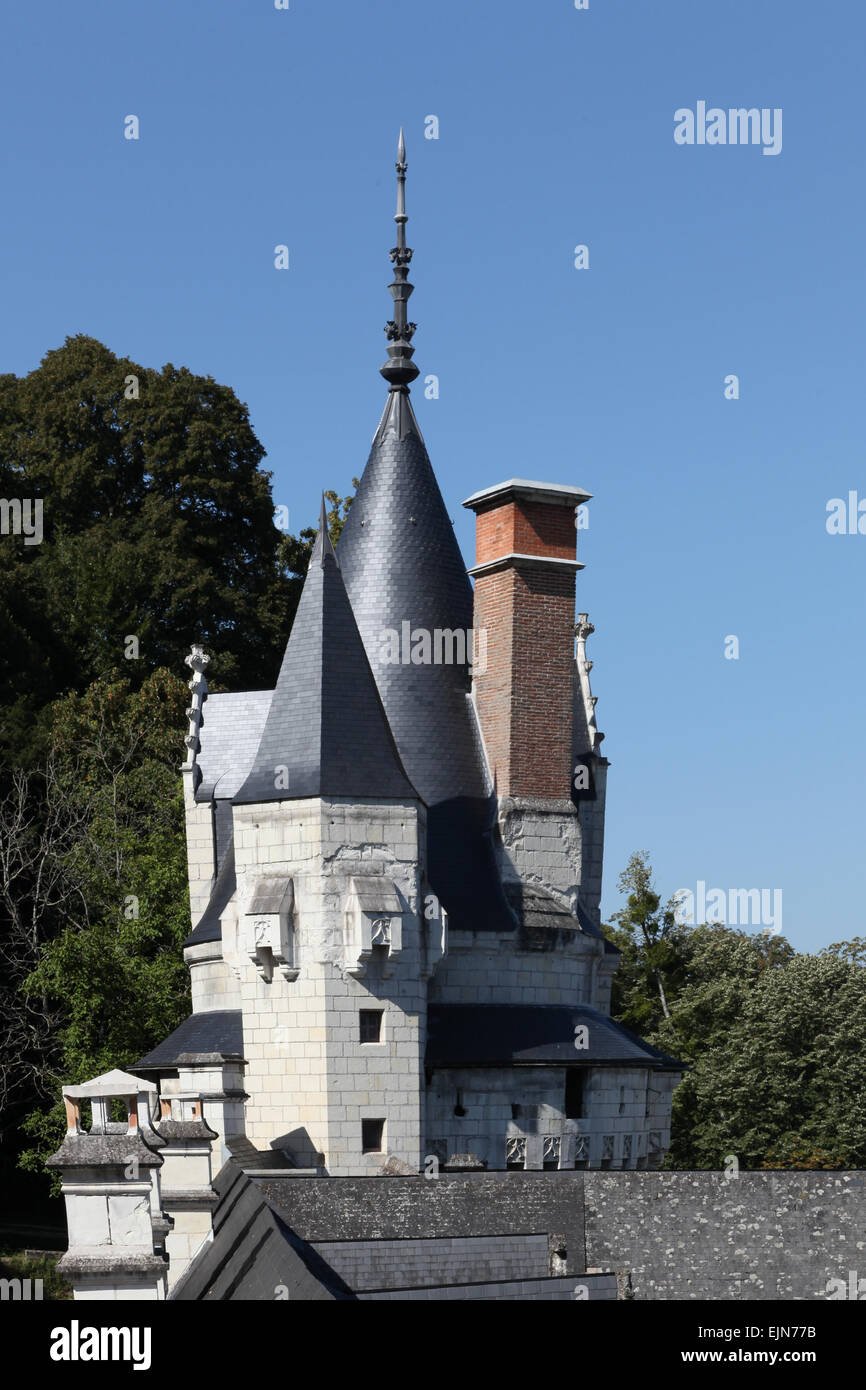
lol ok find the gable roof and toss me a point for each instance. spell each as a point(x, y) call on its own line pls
point(326, 733)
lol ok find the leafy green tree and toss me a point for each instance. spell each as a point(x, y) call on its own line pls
point(771, 1038)
point(774, 1043)
point(108, 968)
point(158, 525)
point(653, 949)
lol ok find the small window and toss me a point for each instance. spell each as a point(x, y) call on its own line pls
point(575, 1078)
point(372, 1133)
point(370, 1025)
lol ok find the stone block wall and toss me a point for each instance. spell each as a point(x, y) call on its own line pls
point(306, 1066)
point(479, 969)
point(214, 983)
point(625, 1124)
point(200, 849)
point(540, 842)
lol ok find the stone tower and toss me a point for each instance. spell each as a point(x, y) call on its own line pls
point(395, 855)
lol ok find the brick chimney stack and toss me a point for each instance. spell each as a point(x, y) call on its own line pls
point(526, 542)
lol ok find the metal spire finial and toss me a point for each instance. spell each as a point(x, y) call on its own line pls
point(399, 370)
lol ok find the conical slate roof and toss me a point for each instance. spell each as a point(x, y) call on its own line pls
point(326, 733)
point(401, 563)
point(404, 574)
point(402, 566)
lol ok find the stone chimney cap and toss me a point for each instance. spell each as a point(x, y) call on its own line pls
point(109, 1085)
point(555, 493)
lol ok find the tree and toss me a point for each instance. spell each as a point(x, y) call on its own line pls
point(110, 899)
point(771, 1038)
point(157, 523)
point(652, 946)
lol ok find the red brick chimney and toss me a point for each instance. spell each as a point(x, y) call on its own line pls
point(526, 542)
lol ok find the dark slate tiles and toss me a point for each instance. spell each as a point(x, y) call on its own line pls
point(231, 728)
point(208, 926)
point(217, 1031)
point(326, 733)
point(252, 1256)
point(401, 564)
point(503, 1034)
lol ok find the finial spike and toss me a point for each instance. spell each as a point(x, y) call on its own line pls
point(399, 370)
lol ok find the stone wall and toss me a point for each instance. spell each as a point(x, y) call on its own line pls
point(200, 855)
point(479, 969)
point(625, 1121)
point(306, 1068)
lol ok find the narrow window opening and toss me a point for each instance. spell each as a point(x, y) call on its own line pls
point(372, 1134)
point(575, 1085)
point(370, 1025)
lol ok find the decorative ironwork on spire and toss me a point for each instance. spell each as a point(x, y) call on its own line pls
point(399, 370)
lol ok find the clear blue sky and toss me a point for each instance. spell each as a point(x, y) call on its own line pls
point(261, 127)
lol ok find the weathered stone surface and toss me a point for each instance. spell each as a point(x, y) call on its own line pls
point(704, 1236)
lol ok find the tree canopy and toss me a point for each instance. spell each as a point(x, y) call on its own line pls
point(772, 1038)
point(157, 530)
point(158, 525)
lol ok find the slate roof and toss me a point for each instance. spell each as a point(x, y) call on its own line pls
point(326, 725)
point(231, 729)
point(460, 1035)
point(253, 1254)
point(208, 926)
point(401, 564)
point(218, 1031)
point(542, 916)
point(270, 895)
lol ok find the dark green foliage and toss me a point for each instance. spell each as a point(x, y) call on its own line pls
point(110, 968)
point(773, 1039)
point(158, 524)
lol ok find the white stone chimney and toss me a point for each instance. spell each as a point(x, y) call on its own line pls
point(112, 1190)
point(187, 1195)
